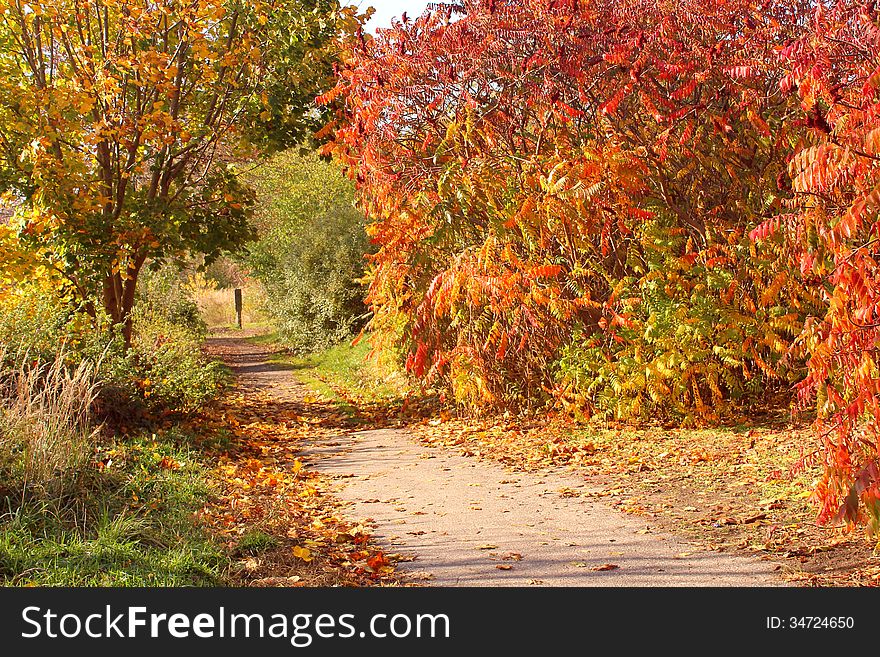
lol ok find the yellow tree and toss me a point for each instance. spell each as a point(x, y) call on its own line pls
point(124, 123)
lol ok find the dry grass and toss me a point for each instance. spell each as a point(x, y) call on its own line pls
point(218, 305)
point(46, 434)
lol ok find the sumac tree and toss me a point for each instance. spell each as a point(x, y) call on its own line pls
point(562, 195)
point(834, 70)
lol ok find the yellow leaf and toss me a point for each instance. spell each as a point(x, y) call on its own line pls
point(302, 553)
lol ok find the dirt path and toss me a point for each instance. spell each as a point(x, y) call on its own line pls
point(466, 522)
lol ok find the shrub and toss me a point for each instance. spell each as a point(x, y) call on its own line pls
point(165, 295)
point(36, 321)
point(167, 367)
point(569, 212)
point(834, 70)
point(310, 253)
point(164, 370)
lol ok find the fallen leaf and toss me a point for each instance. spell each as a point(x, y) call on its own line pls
point(605, 566)
point(302, 553)
point(754, 518)
point(168, 463)
point(377, 561)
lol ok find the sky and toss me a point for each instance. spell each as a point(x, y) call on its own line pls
point(386, 9)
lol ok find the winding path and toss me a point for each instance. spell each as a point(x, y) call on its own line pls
point(466, 522)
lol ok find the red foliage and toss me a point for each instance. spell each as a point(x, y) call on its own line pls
point(609, 190)
point(835, 69)
point(513, 159)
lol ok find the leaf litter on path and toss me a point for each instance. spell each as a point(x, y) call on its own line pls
point(267, 490)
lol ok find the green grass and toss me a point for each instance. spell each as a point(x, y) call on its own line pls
point(132, 523)
point(270, 338)
point(347, 368)
point(254, 542)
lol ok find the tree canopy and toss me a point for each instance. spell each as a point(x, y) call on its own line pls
point(631, 209)
point(125, 124)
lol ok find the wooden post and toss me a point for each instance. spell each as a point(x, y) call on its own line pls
point(238, 306)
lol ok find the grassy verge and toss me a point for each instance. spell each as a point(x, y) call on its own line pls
point(132, 521)
point(265, 337)
point(347, 374)
point(101, 483)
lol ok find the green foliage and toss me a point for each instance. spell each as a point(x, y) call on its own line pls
point(688, 347)
point(254, 542)
point(310, 253)
point(123, 138)
point(354, 369)
point(167, 368)
point(165, 296)
point(129, 522)
point(305, 41)
point(34, 322)
point(163, 371)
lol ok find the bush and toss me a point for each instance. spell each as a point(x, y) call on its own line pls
point(163, 372)
point(696, 340)
point(35, 322)
point(165, 296)
point(310, 253)
point(576, 223)
point(167, 367)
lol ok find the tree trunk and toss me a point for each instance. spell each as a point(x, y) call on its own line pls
point(119, 297)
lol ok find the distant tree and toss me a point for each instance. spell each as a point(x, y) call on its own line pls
point(310, 255)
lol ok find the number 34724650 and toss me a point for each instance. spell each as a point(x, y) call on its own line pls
point(810, 623)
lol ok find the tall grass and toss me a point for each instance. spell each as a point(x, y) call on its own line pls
point(64, 521)
point(217, 305)
point(115, 504)
point(46, 433)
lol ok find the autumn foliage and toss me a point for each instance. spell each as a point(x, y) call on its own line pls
point(123, 124)
point(563, 195)
point(835, 171)
point(629, 208)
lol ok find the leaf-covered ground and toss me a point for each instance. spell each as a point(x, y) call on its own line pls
point(737, 490)
point(275, 514)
